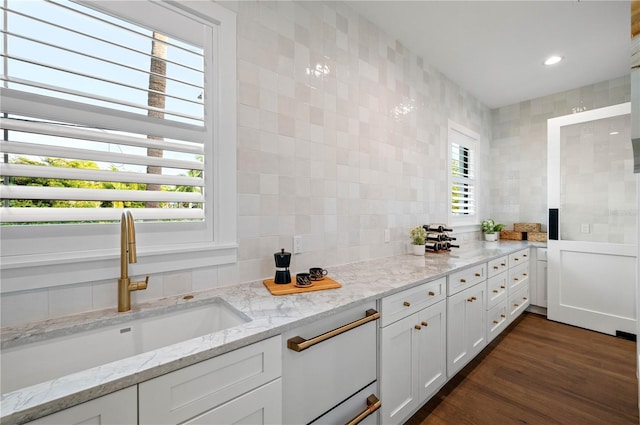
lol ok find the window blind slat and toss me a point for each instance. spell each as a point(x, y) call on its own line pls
point(22, 170)
point(35, 215)
point(76, 194)
point(23, 148)
point(98, 136)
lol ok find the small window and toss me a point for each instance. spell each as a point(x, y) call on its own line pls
point(125, 110)
point(462, 178)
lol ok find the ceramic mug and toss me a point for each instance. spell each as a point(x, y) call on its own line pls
point(317, 273)
point(303, 279)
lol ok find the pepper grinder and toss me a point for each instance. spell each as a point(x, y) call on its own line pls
point(283, 259)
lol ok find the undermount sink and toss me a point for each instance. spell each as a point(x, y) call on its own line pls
point(37, 362)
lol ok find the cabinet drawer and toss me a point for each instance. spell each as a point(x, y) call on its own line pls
point(519, 257)
point(496, 289)
point(497, 266)
point(329, 372)
point(497, 320)
point(190, 392)
point(364, 404)
point(518, 276)
point(402, 304)
point(518, 302)
point(466, 278)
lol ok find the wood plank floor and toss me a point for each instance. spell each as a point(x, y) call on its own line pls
point(541, 372)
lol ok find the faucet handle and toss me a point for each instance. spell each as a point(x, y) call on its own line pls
point(139, 286)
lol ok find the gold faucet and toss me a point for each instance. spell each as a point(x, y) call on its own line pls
point(127, 255)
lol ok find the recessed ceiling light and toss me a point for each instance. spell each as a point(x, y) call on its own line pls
point(552, 60)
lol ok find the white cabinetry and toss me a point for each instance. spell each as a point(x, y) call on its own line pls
point(518, 288)
point(239, 386)
point(412, 349)
point(497, 287)
point(538, 285)
point(327, 362)
point(118, 408)
point(466, 335)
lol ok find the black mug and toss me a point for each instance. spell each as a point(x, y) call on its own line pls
point(317, 273)
point(303, 279)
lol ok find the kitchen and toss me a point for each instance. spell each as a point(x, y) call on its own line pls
point(319, 155)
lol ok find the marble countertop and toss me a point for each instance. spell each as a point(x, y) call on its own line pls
point(270, 315)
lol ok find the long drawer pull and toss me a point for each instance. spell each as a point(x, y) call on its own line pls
point(373, 404)
point(298, 343)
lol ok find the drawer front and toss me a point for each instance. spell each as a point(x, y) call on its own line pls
point(518, 302)
point(496, 290)
point(497, 266)
point(364, 405)
point(194, 390)
point(519, 257)
point(497, 320)
point(466, 278)
point(330, 371)
point(518, 276)
point(402, 304)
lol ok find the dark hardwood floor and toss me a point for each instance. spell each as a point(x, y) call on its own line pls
point(541, 372)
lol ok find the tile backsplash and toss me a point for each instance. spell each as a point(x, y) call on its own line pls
point(342, 133)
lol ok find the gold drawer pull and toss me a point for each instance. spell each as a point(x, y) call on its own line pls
point(406, 304)
point(463, 281)
point(373, 404)
point(503, 316)
point(524, 298)
point(496, 267)
point(478, 274)
point(503, 264)
point(474, 298)
point(496, 322)
point(516, 305)
point(516, 259)
point(524, 274)
point(425, 324)
point(470, 299)
point(297, 343)
point(431, 293)
point(515, 278)
point(495, 291)
point(417, 327)
point(524, 255)
point(502, 286)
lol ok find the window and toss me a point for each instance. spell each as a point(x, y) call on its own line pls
point(114, 105)
point(462, 178)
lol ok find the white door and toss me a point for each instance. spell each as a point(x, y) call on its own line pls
point(592, 220)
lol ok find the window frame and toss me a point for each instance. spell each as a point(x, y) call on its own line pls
point(79, 257)
point(473, 145)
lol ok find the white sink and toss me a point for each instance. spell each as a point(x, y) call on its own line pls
point(53, 358)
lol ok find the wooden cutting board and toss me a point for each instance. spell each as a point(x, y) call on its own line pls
point(291, 288)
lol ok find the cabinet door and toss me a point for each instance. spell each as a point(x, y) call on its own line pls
point(258, 407)
point(398, 366)
point(465, 327)
point(119, 408)
point(541, 284)
point(432, 349)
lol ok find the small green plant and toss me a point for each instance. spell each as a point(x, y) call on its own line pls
point(418, 236)
point(489, 226)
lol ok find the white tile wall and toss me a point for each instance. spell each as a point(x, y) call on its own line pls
point(341, 134)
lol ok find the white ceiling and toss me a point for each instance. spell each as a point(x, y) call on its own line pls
point(495, 49)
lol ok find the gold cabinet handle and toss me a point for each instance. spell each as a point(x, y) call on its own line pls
point(495, 291)
point(418, 327)
point(297, 343)
point(373, 404)
point(478, 274)
point(406, 304)
point(516, 259)
point(425, 323)
point(524, 298)
point(470, 299)
point(516, 305)
point(503, 264)
point(463, 281)
point(524, 255)
point(495, 322)
point(474, 298)
point(502, 286)
point(503, 316)
point(496, 267)
point(431, 293)
point(524, 274)
point(515, 278)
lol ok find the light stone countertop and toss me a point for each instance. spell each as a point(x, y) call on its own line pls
point(270, 315)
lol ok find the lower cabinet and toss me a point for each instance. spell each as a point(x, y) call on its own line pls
point(518, 302)
point(118, 408)
point(413, 362)
point(238, 386)
point(465, 326)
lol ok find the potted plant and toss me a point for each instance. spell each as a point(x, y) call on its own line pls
point(418, 239)
point(490, 229)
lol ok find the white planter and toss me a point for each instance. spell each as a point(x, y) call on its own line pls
point(417, 249)
point(491, 237)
